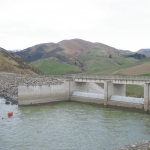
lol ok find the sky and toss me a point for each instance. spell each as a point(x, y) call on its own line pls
point(123, 24)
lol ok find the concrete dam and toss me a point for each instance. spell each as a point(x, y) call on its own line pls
point(83, 88)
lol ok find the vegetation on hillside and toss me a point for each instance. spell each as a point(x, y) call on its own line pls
point(84, 56)
point(51, 67)
point(137, 56)
point(15, 64)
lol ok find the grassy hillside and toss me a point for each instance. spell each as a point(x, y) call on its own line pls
point(15, 64)
point(66, 51)
point(106, 62)
point(98, 61)
point(82, 56)
point(52, 67)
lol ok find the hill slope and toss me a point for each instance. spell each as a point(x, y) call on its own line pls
point(48, 66)
point(64, 51)
point(146, 51)
point(137, 70)
point(82, 56)
point(15, 64)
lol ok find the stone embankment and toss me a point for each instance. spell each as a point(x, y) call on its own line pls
point(145, 145)
point(9, 83)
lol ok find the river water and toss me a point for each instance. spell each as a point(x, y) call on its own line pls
point(70, 126)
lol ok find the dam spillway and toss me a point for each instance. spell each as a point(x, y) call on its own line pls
point(88, 92)
point(134, 100)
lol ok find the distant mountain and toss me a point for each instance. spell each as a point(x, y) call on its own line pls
point(145, 51)
point(10, 62)
point(73, 47)
point(14, 50)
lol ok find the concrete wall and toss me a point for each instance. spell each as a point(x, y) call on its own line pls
point(119, 89)
point(94, 88)
point(77, 86)
point(42, 94)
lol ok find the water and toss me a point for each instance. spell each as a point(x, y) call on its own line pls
point(70, 126)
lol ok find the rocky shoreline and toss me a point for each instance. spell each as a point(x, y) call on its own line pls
point(144, 145)
point(10, 82)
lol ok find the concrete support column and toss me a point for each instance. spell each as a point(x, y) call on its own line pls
point(146, 96)
point(107, 92)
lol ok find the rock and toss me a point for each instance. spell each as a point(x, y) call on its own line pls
point(7, 102)
point(133, 146)
point(9, 84)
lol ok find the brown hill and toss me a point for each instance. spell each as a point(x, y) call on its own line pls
point(65, 51)
point(79, 47)
point(13, 63)
point(72, 47)
point(39, 51)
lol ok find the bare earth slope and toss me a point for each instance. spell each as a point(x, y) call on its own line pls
point(70, 48)
point(15, 64)
point(79, 47)
point(136, 70)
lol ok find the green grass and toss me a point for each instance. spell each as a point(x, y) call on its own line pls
point(101, 85)
point(51, 67)
point(96, 64)
point(98, 61)
point(134, 91)
point(131, 90)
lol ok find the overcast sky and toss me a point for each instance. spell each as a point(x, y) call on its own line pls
point(123, 24)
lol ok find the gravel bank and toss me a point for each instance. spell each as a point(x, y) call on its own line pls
point(144, 145)
point(9, 83)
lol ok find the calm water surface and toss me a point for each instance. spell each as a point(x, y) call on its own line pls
point(70, 126)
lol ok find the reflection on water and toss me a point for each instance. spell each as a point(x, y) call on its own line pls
point(70, 126)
